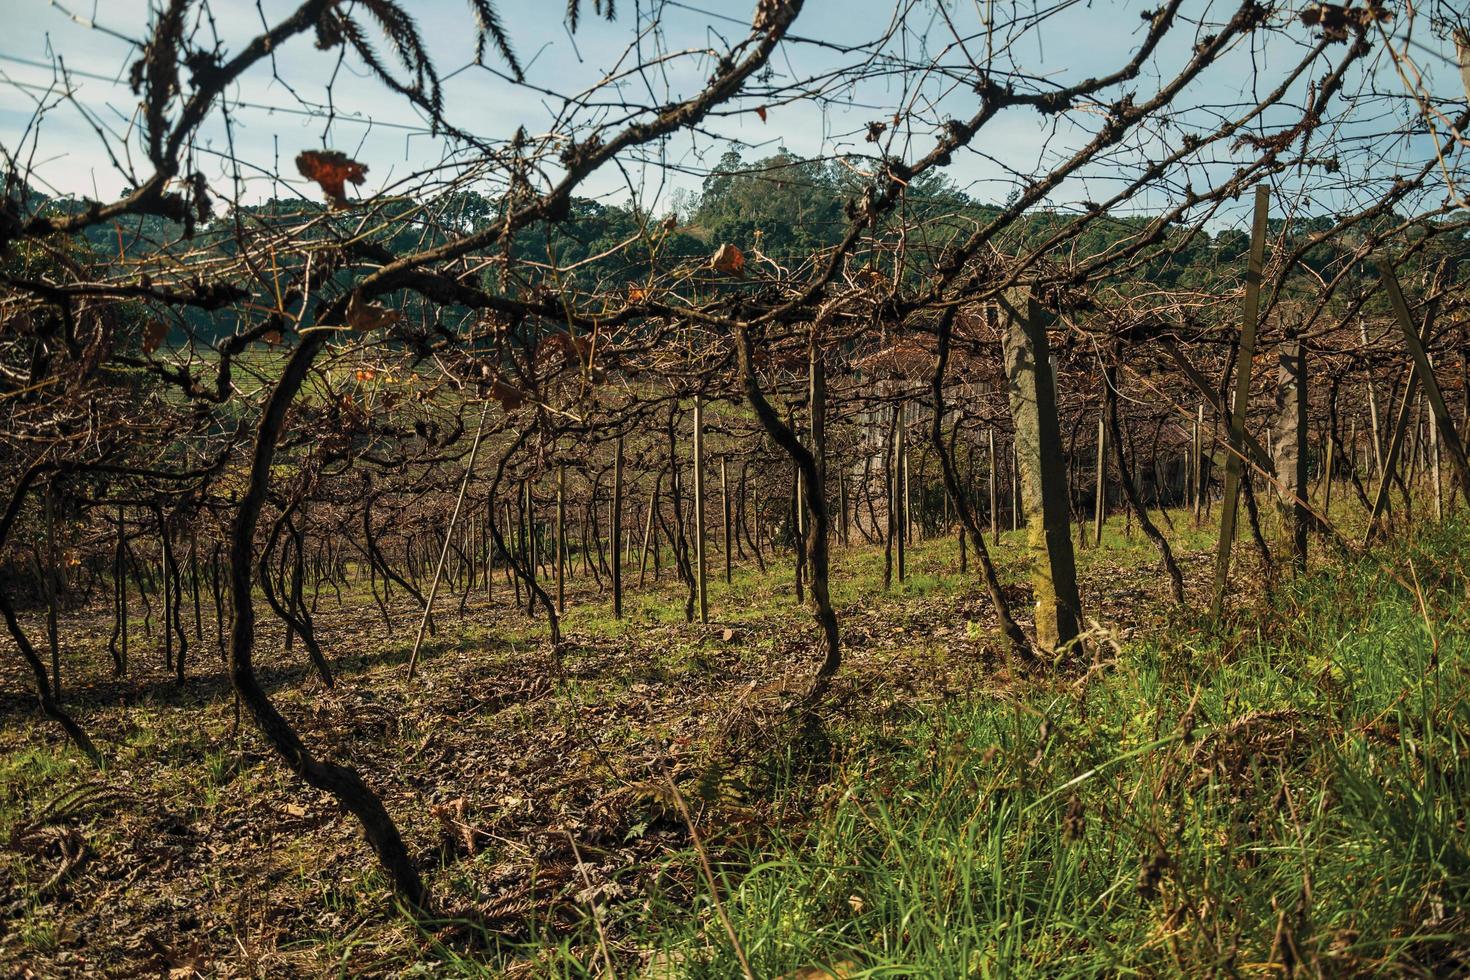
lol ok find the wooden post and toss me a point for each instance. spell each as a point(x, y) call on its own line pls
point(1100, 505)
point(469, 468)
point(617, 531)
point(1197, 461)
point(1229, 505)
point(1434, 471)
point(50, 583)
point(994, 502)
point(1448, 437)
point(648, 530)
point(121, 572)
point(1391, 455)
point(842, 501)
point(1328, 463)
point(725, 515)
point(699, 509)
point(903, 467)
point(1016, 506)
point(1043, 477)
point(489, 549)
point(1372, 408)
point(561, 538)
point(1291, 444)
point(900, 491)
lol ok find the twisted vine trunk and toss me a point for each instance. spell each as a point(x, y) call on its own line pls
point(815, 500)
point(1130, 491)
point(1020, 646)
point(342, 782)
point(48, 704)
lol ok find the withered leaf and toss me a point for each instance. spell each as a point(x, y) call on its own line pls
point(509, 396)
point(331, 169)
point(369, 316)
point(153, 336)
point(728, 259)
point(573, 349)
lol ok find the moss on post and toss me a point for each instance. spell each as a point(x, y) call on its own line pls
point(1042, 470)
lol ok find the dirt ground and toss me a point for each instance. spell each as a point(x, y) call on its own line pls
point(196, 851)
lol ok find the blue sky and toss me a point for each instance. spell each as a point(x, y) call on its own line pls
point(275, 120)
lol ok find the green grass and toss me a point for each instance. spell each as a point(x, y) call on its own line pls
point(1289, 788)
point(1207, 800)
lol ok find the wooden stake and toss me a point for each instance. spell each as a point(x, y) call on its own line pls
point(561, 538)
point(1039, 470)
point(1230, 503)
point(469, 468)
point(725, 514)
point(699, 509)
point(617, 531)
point(1100, 499)
point(994, 501)
point(1448, 437)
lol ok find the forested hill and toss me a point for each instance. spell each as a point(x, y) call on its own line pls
point(781, 209)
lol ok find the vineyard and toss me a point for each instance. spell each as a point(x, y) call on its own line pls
point(976, 492)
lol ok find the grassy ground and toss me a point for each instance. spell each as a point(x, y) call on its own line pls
point(1284, 791)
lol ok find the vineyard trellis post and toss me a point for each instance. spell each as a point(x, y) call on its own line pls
point(699, 543)
point(1040, 465)
point(1235, 448)
point(617, 530)
point(1449, 438)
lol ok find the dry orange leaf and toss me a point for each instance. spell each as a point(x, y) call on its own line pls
point(153, 336)
point(331, 169)
point(509, 396)
point(636, 294)
point(728, 259)
point(573, 349)
point(369, 316)
point(760, 110)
